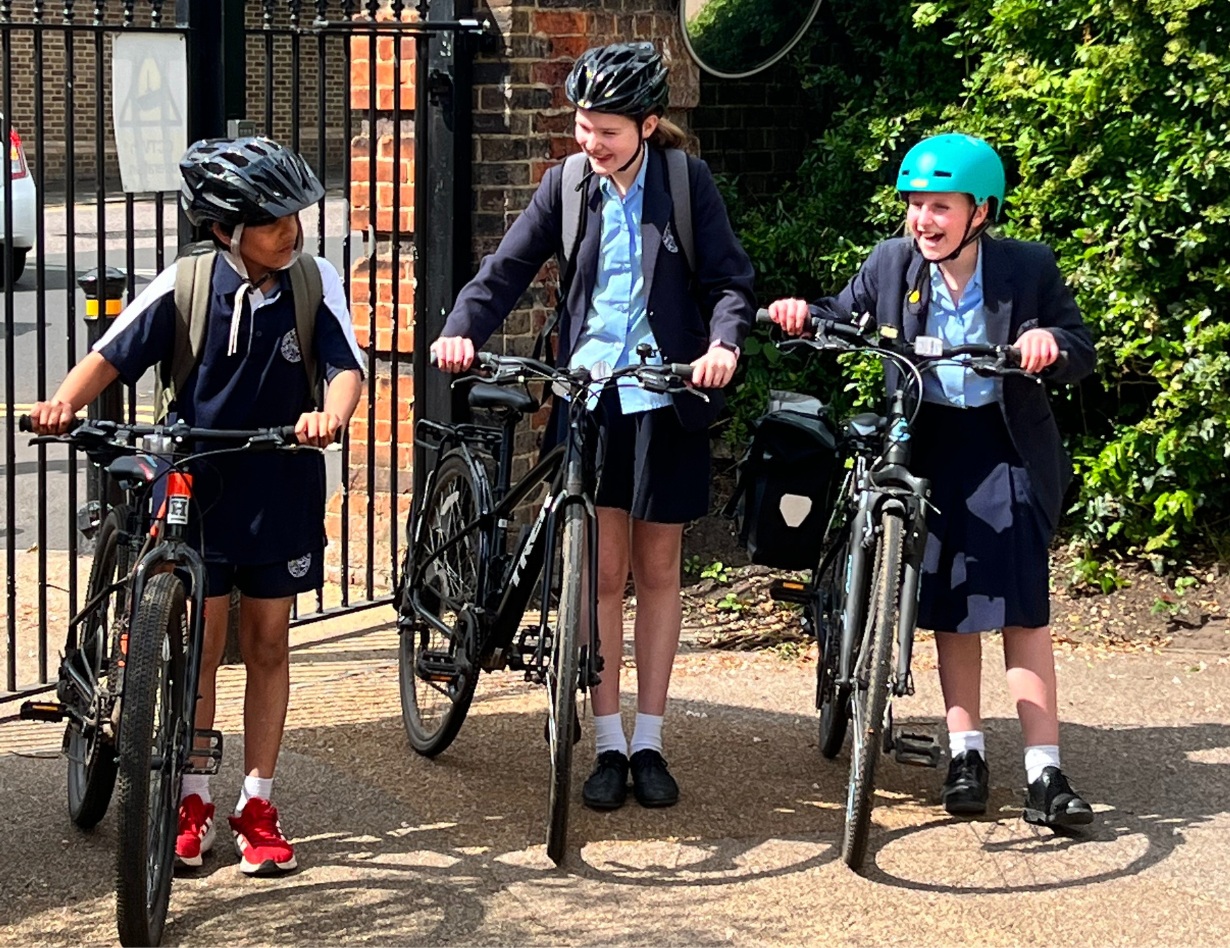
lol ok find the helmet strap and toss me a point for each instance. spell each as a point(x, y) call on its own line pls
point(640, 145)
point(971, 234)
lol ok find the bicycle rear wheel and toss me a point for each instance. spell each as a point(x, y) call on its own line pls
point(437, 672)
point(563, 678)
point(870, 697)
point(88, 743)
point(827, 610)
point(150, 738)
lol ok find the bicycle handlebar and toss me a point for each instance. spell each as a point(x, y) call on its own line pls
point(100, 432)
point(925, 351)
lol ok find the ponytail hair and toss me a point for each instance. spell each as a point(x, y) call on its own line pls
point(668, 134)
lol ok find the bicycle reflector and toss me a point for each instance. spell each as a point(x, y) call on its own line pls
point(179, 492)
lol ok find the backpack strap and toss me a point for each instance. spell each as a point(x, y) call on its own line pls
point(307, 292)
point(572, 217)
point(681, 198)
point(192, 292)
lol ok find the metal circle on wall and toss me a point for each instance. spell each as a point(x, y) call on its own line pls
point(734, 39)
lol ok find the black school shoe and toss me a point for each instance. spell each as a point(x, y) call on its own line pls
point(652, 783)
point(965, 791)
point(1050, 801)
point(607, 786)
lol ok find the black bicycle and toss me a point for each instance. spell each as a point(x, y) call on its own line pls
point(861, 601)
point(127, 681)
point(464, 591)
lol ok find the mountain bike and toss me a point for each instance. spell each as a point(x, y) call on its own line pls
point(128, 680)
point(464, 592)
point(861, 600)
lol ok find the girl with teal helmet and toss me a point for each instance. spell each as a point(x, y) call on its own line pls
point(990, 448)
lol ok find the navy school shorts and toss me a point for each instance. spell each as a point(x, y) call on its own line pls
point(267, 580)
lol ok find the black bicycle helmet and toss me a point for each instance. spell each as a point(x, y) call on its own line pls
point(248, 181)
point(620, 79)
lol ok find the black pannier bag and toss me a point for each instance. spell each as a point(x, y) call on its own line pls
point(786, 483)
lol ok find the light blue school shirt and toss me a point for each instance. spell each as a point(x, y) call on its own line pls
point(616, 322)
point(957, 324)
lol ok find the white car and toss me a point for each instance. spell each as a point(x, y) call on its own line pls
point(24, 199)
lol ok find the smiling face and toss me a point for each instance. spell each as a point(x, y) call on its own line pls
point(610, 141)
point(939, 220)
point(266, 247)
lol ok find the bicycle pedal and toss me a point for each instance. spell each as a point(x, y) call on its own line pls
point(916, 750)
point(50, 712)
point(790, 590)
point(437, 666)
point(205, 760)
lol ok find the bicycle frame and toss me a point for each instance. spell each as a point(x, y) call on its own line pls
point(514, 576)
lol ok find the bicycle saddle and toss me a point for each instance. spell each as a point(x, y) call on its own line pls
point(132, 471)
point(868, 423)
point(490, 396)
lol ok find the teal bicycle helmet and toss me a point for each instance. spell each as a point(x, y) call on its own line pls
point(955, 163)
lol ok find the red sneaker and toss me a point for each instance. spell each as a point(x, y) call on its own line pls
point(263, 850)
point(196, 830)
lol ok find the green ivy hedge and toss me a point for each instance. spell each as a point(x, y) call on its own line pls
point(1112, 118)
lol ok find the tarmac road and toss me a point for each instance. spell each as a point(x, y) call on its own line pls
point(397, 849)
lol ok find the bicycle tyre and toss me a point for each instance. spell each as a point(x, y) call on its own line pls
point(151, 732)
point(828, 607)
point(450, 502)
point(563, 679)
point(870, 698)
point(90, 750)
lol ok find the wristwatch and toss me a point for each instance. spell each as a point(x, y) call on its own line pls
point(728, 346)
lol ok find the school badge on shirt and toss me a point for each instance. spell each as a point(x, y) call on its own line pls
point(290, 347)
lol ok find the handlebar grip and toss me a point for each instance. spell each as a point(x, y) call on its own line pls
point(763, 317)
point(286, 434)
point(681, 370)
point(24, 424)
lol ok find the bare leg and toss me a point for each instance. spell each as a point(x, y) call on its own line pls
point(264, 639)
point(656, 552)
point(1030, 662)
point(613, 539)
point(216, 611)
point(960, 658)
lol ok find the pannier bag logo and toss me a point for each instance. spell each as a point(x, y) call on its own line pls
point(794, 509)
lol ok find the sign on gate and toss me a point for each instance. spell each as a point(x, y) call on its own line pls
point(149, 74)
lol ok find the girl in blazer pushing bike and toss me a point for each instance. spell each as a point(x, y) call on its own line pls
point(990, 448)
point(632, 285)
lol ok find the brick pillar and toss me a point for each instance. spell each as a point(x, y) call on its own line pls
point(381, 304)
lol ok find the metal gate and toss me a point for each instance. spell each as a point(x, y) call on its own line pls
point(362, 91)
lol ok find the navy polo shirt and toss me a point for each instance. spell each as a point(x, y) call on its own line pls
point(251, 507)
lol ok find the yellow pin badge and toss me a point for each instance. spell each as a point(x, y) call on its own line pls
point(915, 296)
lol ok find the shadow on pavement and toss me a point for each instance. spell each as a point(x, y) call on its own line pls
point(398, 848)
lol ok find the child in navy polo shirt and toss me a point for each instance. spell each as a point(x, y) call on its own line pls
point(261, 519)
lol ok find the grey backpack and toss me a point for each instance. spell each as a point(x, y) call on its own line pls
point(193, 273)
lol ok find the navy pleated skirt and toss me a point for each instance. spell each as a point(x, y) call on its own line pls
point(649, 465)
point(986, 562)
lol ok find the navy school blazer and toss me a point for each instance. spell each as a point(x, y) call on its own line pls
point(687, 312)
point(1022, 290)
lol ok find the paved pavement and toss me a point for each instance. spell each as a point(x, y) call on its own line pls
point(399, 849)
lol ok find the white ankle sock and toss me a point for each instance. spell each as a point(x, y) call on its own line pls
point(609, 734)
point(198, 784)
point(647, 733)
point(1038, 758)
point(961, 741)
point(254, 787)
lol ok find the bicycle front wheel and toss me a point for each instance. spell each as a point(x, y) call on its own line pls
point(88, 743)
point(150, 738)
point(563, 677)
point(437, 672)
point(869, 700)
